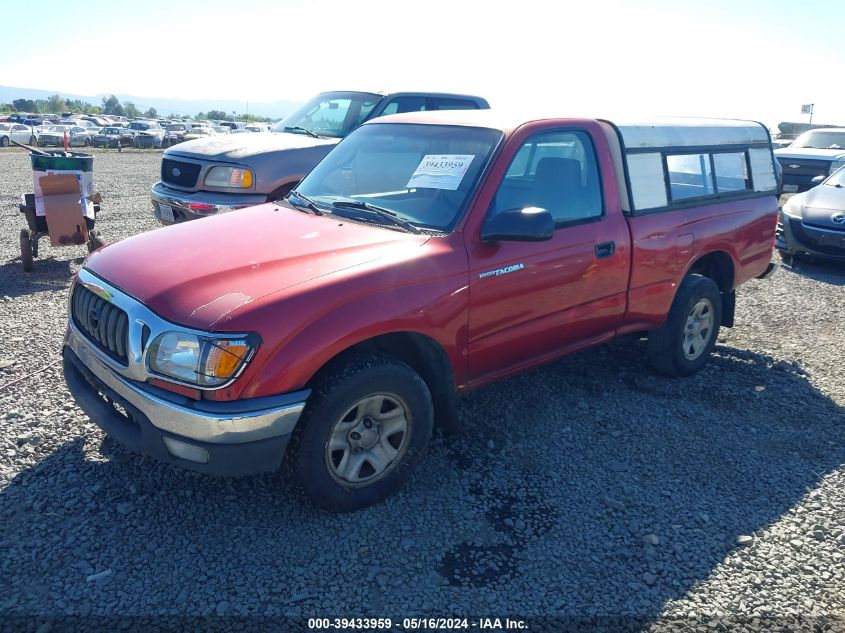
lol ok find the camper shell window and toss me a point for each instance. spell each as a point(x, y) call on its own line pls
point(692, 162)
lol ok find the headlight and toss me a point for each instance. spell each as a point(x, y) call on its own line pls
point(792, 208)
point(232, 177)
point(834, 166)
point(204, 361)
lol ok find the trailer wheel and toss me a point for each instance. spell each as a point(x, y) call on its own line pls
point(26, 251)
point(682, 345)
point(94, 241)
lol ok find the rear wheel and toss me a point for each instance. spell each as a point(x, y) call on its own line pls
point(365, 428)
point(26, 251)
point(32, 140)
point(4, 141)
point(682, 345)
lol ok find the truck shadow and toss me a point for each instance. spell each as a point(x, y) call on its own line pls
point(587, 487)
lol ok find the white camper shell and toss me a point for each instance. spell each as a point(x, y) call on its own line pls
point(675, 163)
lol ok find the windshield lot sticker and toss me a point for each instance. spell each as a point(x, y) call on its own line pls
point(440, 171)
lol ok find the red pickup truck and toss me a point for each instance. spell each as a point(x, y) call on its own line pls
point(427, 254)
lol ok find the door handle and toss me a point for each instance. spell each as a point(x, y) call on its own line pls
point(605, 249)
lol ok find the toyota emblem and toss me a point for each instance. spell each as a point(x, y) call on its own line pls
point(838, 218)
point(792, 166)
point(175, 171)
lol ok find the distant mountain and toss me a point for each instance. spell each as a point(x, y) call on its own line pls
point(164, 105)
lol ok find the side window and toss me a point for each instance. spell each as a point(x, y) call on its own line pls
point(405, 104)
point(442, 103)
point(689, 176)
point(365, 112)
point(555, 171)
point(731, 172)
point(20, 127)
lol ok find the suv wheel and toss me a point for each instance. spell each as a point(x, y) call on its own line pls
point(364, 430)
point(682, 345)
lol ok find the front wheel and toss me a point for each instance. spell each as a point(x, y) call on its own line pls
point(364, 430)
point(32, 140)
point(682, 345)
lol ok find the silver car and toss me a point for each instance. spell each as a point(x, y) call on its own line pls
point(812, 224)
point(231, 171)
point(17, 132)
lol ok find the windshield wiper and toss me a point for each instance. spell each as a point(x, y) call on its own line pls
point(387, 214)
point(309, 203)
point(298, 128)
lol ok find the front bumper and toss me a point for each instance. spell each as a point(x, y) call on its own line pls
point(795, 238)
point(179, 202)
point(236, 438)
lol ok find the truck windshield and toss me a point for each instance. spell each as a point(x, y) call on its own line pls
point(817, 139)
point(424, 174)
point(332, 114)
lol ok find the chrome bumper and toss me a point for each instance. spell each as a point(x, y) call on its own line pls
point(180, 202)
point(205, 425)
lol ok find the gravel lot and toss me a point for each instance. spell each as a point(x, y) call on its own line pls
point(590, 487)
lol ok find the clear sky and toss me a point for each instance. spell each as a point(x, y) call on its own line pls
point(758, 59)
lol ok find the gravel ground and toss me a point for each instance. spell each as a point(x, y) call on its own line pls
point(590, 487)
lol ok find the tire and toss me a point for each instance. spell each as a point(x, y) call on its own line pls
point(344, 479)
point(32, 140)
point(682, 345)
point(4, 141)
point(26, 251)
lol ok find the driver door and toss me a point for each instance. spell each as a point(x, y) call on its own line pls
point(536, 300)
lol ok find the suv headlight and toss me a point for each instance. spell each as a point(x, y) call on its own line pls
point(203, 361)
point(792, 208)
point(230, 177)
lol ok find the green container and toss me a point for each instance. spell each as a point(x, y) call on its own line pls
point(60, 162)
point(57, 161)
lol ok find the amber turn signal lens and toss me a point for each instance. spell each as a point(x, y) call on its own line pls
point(225, 357)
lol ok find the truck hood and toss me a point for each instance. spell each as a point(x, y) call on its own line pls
point(807, 152)
point(233, 148)
point(198, 272)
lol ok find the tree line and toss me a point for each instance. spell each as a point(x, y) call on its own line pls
point(56, 104)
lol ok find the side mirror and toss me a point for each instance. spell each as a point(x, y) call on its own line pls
point(818, 180)
point(531, 224)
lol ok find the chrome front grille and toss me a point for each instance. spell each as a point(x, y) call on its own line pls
point(102, 323)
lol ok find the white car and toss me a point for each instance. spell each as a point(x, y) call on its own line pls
point(17, 132)
point(54, 135)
